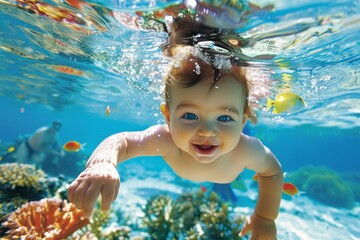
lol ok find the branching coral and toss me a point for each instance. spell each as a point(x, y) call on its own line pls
point(45, 219)
point(100, 227)
point(157, 216)
point(21, 181)
point(99, 221)
point(192, 216)
point(13, 175)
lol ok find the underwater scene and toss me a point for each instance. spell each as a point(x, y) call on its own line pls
point(74, 72)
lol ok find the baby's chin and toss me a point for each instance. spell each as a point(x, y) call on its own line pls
point(205, 158)
point(205, 161)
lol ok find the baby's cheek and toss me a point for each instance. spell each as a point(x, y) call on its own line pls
point(179, 135)
point(232, 136)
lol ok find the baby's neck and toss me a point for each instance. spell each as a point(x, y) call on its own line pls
point(220, 170)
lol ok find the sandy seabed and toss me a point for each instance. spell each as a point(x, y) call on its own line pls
point(300, 218)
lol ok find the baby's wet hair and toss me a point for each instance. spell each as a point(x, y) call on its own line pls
point(191, 65)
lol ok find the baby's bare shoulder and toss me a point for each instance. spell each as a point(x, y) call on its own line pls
point(251, 148)
point(250, 143)
point(161, 136)
point(160, 131)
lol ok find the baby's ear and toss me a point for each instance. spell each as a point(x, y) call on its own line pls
point(245, 118)
point(164, 108)
point(249, 114)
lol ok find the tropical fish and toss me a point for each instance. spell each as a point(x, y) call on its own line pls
point(290, 189)
point(73, 146)
point(11, 149)
point(76, 3)
point(285, 102)
point(203, 189)
point(8, 153)
point(107, 110)
point(68, 70)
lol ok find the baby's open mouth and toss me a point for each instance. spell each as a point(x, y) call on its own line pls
point(204, 148)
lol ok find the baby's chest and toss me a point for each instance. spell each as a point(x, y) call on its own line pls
point(222, 173)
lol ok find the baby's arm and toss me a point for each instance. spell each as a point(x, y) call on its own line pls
point(100, 174)
point(263, 161)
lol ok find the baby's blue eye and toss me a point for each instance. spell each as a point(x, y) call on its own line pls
point(190, 116)
point(224, 118)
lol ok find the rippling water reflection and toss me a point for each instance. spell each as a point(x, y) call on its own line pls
point(63, 55)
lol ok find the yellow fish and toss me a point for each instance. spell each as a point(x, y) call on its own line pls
point(285, 102)
point(11, 149)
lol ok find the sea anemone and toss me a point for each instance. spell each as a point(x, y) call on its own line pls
point(49, 218)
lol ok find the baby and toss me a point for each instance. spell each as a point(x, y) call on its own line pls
point(206, 108)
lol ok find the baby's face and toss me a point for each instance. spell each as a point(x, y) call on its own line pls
point(207, 123)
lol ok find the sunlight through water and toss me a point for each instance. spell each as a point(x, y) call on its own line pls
point(91, 55)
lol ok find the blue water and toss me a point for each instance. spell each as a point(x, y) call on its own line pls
point(121, 67)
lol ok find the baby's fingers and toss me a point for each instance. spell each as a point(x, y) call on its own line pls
point(108, 194)
point(246, 228)
point(71, 191)
point(91, 196)
point(79, 194)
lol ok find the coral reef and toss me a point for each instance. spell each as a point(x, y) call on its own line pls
point(15, 175)
point(353, 180)
point(114, 232)
point(21, 183)
point(196, 215)
point(101, 228)
point(324, 185)
point(46, 219)
point(157, 216)
point(98, 222)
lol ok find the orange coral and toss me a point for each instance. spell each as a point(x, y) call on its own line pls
point(45, 219)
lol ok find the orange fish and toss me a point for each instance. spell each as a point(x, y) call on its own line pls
point(68, 70)
point(290, 189)
point(255, 177)
point(107, 110)
point(75, 3)
point(73, 146)
point(203, 189)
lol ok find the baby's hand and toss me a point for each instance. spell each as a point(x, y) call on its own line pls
point(95, 179)
point(260, 228)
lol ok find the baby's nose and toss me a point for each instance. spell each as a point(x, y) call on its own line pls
point(206, 130)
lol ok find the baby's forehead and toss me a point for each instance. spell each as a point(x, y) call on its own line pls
point(220, 76)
